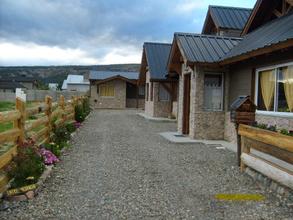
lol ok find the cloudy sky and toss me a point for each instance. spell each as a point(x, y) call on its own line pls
point(63, 32)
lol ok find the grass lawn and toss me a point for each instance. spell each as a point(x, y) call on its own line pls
point(8, 106)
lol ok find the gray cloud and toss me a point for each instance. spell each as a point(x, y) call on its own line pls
point(96, 26)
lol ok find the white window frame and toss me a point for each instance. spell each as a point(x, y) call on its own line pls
point(223, 81)
point(271, 113)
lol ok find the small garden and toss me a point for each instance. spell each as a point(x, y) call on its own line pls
point(30, 166)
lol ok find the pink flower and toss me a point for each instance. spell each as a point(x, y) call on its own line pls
point(49, 157)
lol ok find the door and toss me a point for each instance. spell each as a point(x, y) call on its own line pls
point(186, 104)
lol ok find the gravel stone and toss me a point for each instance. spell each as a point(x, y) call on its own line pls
point(119, 167)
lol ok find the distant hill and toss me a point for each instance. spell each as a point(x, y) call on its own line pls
point(56, 74)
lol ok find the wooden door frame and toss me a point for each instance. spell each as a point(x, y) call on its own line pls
point(186, 103)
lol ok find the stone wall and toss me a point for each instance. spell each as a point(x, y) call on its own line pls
point(118, 101)
point(204, 124)
point(135, 103)
point(174, 109)
point(156, 108)
point(39, 95)
point(229, 130)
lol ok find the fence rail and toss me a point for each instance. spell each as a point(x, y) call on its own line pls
point(36, 122)
point(271, 143)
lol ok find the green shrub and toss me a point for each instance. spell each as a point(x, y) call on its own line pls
point(70, 127)
point(86, 106)
point(27, 166)
point(54, 148)
point(79, 113)
point(60, 136)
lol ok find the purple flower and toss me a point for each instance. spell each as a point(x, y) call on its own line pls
point(77, 124)
point(49, 157)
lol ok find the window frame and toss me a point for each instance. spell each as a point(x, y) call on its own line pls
point(256, 89)
point(223, 81)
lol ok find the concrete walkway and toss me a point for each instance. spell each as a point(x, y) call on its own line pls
point(119, 167)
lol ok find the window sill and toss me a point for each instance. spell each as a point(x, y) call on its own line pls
point(275, 114)
point(107, 97)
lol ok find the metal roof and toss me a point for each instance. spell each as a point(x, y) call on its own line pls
point(205, 48)
point(229, 17)
point(276, 31)
point(157, 55)
point(74, 78)
point(101, 75)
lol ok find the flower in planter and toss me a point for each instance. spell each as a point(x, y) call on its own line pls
point(49, 157)
point(27, 166)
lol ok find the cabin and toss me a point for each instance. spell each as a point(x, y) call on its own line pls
point(263, 68)
point(225, 21)
point(161, 91)
point(214, 70)
point(115, 90)
point(202, 83)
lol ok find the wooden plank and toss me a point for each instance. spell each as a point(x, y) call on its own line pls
point(41, 133)
point(9, 135)
point(43, 141)
point(284, 142)
point(36, 123)
point(7, 157)
point(36, 110)
point(275, 172)
point(56, 113)
point(9, 116)
point(270, 149)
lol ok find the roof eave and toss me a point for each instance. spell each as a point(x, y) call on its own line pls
point(264, 50)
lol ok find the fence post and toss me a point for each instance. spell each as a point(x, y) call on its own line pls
point(48, 101)
point(20, 106)
point(62, 106)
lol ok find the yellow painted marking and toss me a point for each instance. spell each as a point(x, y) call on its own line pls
point(240, 197)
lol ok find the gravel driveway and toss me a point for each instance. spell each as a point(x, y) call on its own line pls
point(120, 168)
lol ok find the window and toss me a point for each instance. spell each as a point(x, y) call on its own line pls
point(213, 92)
point(141, 90)
point(147, 92)
point(106, 90)
point(163, 94)
point(274, 89)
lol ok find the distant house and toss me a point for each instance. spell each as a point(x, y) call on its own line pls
point(225, 21)
point(115, 90)
point(161, 92)
point(76, 83)
point(9, 84)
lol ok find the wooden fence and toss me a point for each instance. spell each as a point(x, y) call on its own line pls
point(271, 143)
point(35, 122)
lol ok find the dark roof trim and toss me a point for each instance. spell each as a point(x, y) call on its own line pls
point(114, 78)
point(261, 51)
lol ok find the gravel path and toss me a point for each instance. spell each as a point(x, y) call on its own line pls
point(120, 168)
